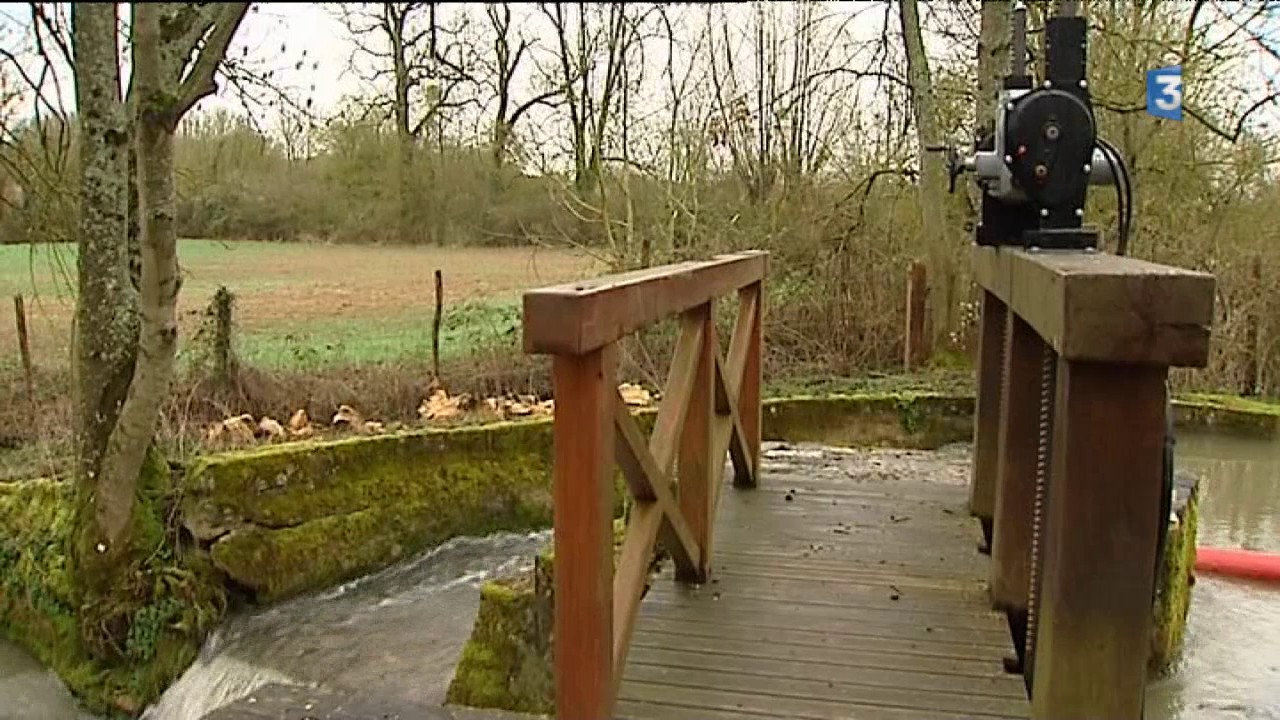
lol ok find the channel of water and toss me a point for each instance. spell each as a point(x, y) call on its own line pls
point(356, 636)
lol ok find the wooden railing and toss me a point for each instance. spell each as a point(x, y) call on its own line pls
point(710, 406)
point(1068, 459)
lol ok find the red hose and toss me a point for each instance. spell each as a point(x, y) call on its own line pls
point(1239, 563)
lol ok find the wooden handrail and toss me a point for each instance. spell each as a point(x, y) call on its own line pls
point(710, 407)
point(578, 317)
point(1068, 469)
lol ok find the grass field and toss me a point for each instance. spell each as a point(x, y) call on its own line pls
point(303, 306)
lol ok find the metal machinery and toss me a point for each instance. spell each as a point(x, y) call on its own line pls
point(1034, 164)
point(1042, 150)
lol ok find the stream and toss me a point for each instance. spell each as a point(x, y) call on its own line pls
point(398, 632)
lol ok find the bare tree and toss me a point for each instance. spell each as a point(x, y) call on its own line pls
point(508, 53)
point(403, 41)
point(932, 183)
point(591, 96)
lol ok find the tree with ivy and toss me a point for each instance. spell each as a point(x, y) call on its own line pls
point(131, 587)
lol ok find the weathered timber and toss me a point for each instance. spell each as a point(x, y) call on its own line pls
point(578, 317)
point(821, 604)
point(585, 391)
point(702, 418)
point(1016, 468)
point(1097, 306)
point(982, 494)
point(1102, 521)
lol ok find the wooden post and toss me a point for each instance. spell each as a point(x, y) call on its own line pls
point(1251, 381)
point(1094, 626)
point(585, 390)
point(986, 427)
point(696, 469)
point(24, 347)
point(1016, 467)
point(749, 393)
point(917, 293)
point(435, 326)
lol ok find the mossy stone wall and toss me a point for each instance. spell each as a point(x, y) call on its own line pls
point(282, 520)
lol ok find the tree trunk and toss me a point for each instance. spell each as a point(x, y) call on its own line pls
point(404, 136)
point(106, 305)
point(933, 179)
point(993, 63)
point(158, 335)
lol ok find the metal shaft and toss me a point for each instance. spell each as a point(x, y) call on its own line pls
point(1044, 456)
point(1018, 42)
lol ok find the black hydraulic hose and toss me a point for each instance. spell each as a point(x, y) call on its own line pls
point(1124, 189)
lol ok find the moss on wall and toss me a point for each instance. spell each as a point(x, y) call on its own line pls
point(1238, 416)
point(155, 626)
point(283, 520)
point(1175, 577)
point(910, 419)
point(506, 663)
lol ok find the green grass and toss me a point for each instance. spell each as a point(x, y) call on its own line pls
point(324, 343)
point(50, 270)
point(300, 331)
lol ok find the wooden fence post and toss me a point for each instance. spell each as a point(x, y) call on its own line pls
point(1250, 384)
point(696, 469)
point(915, 348)
point(24, 348)
point(435, 326)
point(585, 392)
point(750, 392)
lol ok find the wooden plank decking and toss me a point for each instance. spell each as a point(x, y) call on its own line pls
point(847, 585)
point(837, 591)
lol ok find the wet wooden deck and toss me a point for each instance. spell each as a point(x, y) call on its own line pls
point(840, 589)
point(848, 585)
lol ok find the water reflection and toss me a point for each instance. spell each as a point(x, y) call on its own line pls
point(1230, 666)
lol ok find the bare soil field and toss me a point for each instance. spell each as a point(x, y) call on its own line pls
point(294, 289)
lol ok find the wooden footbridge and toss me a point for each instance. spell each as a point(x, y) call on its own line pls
point(799, 587)
point(824, 603)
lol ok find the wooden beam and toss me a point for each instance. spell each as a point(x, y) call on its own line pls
point(1016, 469)
point(986, 426)
point(1103, 515)
point(695, 461)
point(649, 483)
point(575, 318)
point(629, 581)
point(678, 391)
point(585, 388)
point(730, 435)
point(1101, 307)
point(751, 303)
point(739, 372)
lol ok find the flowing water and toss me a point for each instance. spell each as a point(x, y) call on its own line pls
point(1230, 666)
point(398, 632)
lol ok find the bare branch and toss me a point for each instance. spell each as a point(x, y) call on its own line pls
point(200, 83)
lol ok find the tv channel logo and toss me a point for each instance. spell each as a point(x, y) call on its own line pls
point(1164, 92)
